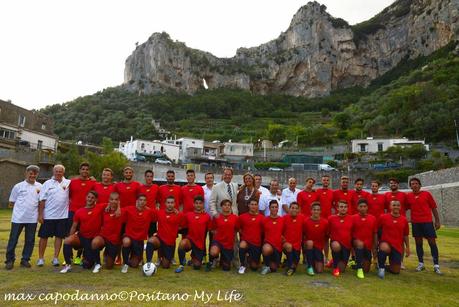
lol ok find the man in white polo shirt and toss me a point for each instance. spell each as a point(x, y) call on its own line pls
point(24, 199)
point(289, 194)
point(53, 213)
point(259, 187)
point(263, 205)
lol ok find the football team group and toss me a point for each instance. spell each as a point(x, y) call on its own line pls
point(222, 225)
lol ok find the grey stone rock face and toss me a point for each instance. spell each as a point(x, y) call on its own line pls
point(315, 55)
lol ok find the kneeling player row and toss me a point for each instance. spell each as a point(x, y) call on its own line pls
point(102, 226)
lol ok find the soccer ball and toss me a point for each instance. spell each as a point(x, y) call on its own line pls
point(149, 269)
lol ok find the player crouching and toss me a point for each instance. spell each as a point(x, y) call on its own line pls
point(250, 232)
point(272, 246)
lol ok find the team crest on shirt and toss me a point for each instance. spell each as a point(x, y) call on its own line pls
point(112, 214)
point(316, 225)
point(191, 190)
point(226, 220)
point(171, 190)
point(394, 222)
point(148, 190)
point(37, 190)
point(324, 193)
point(196, 217)
point(83, 184)
point(374, 198)
point(89, 212)
point(168, 216)
point(274, 223)
point(345, 193)
point(309, 195)
point(128, 188)
point(105, 188)
point(363, 219)
point(416, 197)
point(294, 221)
point(140, 213)
point(253, 219)
point(341, 221)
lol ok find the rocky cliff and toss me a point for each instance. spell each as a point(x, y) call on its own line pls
point(315, 55)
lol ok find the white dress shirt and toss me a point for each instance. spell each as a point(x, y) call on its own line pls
point(289, 196)
point(207, 193)
point(263, 204)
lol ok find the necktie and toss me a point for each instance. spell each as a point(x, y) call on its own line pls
point(230, 192)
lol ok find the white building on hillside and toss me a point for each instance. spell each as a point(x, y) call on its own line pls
point(189, 148)
point(134, 149)
point(238, 151)
point(371, 145)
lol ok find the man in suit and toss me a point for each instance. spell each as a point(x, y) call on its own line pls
point(223, 190)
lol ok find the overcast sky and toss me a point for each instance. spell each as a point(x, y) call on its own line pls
point(53, 51)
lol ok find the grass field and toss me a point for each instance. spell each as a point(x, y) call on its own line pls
point(422, 289)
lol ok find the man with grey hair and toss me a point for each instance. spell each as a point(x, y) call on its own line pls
point(53, 213)
point(24, 200)
point(289, 194)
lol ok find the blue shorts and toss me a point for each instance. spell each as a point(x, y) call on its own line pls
point(197, 253)
point(137, 248)
point(226, 254)
point(167, 251)
point(318, 255)
point(395, 257)
point(254, 253)
point(53, 228)
point(423, 230)
point(111, 250)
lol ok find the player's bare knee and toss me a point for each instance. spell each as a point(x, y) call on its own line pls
point(126, 242)
point(335, 246)
point(309, 244)
point(243, 244)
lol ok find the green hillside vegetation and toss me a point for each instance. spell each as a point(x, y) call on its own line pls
point(421, 104)
point(419, 98)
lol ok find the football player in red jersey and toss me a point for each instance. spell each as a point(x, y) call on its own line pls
point(224, 227)
point(272, 246)
point(149, 189)
point(293, 235)
point(109, 236)
point(105, 187)
point(128, 189)
point(78, 190)
point(422, 206)
point(315, 234)
point(343, 193)
point(306, 197)
point(340, 237)
point(190, 191)
point(376, 201)
point(198, 223)
point(86, 225)
point(395, 194)
point(325, 195)
point(394, 234)
point(169, 221)
point(168, 189)
point(137, 219)
point(364, 235)
point(250, 232)
point(358, 194)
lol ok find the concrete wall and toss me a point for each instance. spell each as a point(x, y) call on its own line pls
point(449, 175)
point(447, 198)
point(16, 173)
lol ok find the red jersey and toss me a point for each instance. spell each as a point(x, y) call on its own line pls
point(364, 229)
point(198, 224)
point(165, 191)
point(356, 196)
point(137, 222)
point(128, 192)
point(393, 230)
point(89, 221)
point(316, 231)
point(305, 199)
point(78, 189)
point(341, 229)
point(151, 192)
point(225, 228)
point(272, 229)
point(325, 197)
point(376, 204)
point(251, 228)
point(400, 196)
point(343, 195)
point(111, 227)
point(421, 205)
point(103, 192)
point(187, 196)
point(293, 230)
point(168, 225)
